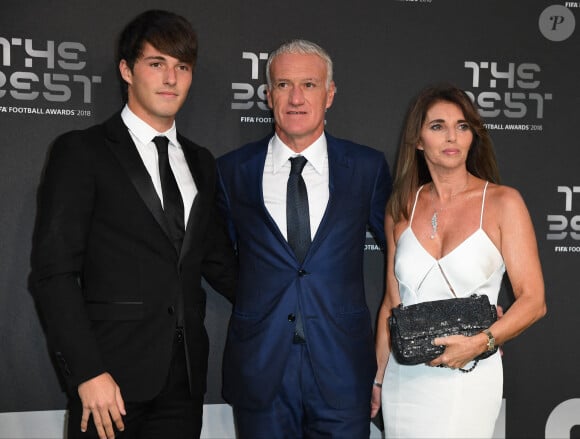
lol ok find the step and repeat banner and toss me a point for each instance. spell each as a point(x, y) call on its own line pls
point(518, 59)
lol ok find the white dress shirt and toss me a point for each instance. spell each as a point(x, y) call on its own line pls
point(315, 174)
point(143, 135)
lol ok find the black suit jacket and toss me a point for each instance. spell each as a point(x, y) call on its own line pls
point(105, 274)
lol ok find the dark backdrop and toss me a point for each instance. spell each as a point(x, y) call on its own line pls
point(518, 59)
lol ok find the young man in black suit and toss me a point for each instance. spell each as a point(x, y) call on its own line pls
point(126, 228)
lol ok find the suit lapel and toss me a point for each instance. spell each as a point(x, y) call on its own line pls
point(122, 146)
point(191, 157)
point(252, 172)
point(340, 176)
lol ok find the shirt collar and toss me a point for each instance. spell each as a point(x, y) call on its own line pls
point(316, 153)
point(143, 131)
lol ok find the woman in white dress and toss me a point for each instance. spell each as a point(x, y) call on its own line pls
point(452, 231)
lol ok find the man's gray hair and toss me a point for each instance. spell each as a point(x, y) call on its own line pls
point(303, 47)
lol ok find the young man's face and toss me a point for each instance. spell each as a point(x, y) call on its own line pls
point(157, 86)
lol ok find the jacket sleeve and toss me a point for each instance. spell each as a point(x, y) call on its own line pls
point(65, 202)
point(220, 267)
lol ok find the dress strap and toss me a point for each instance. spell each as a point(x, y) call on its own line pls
point(483, 204)
point(414, 204)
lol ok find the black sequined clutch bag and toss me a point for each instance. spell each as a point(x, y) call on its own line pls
point(414, 327)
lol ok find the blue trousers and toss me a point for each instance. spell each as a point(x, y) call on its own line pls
point(299, 411)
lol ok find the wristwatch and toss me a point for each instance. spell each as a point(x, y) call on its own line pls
point(490, 340)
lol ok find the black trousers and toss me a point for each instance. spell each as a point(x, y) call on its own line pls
point(173, 413)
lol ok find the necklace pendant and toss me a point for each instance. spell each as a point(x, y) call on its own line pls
point(434, 225)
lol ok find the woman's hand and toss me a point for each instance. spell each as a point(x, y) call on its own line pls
point(459, 350)
point(375, 400)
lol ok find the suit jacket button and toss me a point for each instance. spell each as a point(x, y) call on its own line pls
point(171, 310)
point(291, 317)
point(302, 273)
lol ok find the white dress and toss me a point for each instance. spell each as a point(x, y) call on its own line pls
point(431, 402)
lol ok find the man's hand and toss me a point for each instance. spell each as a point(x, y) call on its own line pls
point(101, 397)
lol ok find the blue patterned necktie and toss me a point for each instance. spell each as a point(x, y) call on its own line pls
point(297, 214)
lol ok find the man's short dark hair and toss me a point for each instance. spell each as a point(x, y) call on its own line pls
point(168, 32)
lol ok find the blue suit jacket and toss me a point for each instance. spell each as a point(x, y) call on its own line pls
point(329, 285)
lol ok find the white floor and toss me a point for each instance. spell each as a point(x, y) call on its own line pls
point(218, 424)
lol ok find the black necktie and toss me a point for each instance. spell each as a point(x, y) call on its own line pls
point(297, 214)
point(298, 224)
point(172, 201)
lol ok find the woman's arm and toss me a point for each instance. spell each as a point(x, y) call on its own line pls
point(514, 235)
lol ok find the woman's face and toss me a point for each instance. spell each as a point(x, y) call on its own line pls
point(445, 136)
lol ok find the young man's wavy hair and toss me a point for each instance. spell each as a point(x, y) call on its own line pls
point(169, 33)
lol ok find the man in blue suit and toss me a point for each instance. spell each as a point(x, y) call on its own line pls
point(299, 358)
